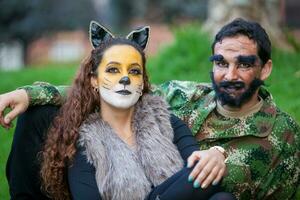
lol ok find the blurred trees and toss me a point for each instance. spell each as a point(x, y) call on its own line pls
point(119, 13)
point(28, 20)
point(171, 10)
point(266, 12)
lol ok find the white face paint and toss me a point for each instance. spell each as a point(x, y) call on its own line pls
point(120, 96)
point(120, 76)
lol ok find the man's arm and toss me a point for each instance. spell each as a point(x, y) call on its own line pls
point(42, 93)
point(179, 94)
point(39, 93)
point(283, 179)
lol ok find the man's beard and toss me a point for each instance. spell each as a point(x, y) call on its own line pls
point(226, 99)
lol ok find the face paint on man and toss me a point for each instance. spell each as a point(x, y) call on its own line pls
point(216, 58)
point(237, 71)
point(120, 76)
point(224, 88)
point(249, 59)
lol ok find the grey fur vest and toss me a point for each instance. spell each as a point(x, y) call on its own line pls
point(123, 173)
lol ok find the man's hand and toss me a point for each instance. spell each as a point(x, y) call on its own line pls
point(210, 167)
point(18, 101)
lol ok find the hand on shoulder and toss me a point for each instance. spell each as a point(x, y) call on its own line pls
point(18, 101)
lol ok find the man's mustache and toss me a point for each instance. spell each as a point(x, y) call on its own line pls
point(232, 84)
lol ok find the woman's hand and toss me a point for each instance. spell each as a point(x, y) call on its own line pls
point(210, 167)
point(18, 101)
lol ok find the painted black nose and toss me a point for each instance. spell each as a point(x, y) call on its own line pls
point(125, 80)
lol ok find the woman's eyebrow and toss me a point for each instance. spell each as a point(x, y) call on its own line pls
point(135, 64)
point(113, 63)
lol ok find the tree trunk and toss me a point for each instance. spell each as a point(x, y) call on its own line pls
point(265, 12)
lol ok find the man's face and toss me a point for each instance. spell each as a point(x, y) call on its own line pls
point(120, 76)
point(236, 73)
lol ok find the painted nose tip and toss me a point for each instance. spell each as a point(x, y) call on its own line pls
point(125, 80)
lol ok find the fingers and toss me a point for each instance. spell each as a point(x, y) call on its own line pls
point(3, 104)
point(17, 100)
point(198, 169)
point(210, 168)
point(195, 156)
point(219, 176)
point(211, 178)
point(204, 170)
point(9, 117)
point(3, 124)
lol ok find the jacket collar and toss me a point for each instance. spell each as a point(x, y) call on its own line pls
point(258, 124)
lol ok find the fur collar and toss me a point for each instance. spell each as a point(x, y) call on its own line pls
point(121, 172)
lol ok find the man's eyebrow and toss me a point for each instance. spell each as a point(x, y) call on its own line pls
point(216, 57)
point(247, 59)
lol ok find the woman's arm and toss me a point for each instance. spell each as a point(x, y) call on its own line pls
point(209, 165)
point(82, 182)
point(183, 138)
point(81, 179)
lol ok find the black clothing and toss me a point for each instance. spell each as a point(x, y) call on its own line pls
point(23, 168)
point(82, 181)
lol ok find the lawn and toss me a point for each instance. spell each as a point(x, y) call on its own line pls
point(185, 59)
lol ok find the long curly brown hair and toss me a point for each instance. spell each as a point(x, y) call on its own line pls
point(60, 145)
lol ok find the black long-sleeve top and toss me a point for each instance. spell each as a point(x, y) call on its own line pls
point(81, 175)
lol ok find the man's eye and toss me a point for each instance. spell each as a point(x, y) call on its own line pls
point(135, 71)
point(221, 64)
point(244, 65)
point(112, 70)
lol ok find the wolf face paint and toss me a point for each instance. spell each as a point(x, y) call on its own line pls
point(120, 76)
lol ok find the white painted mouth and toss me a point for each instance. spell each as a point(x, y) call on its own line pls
point(121, 96)
point(124, 92)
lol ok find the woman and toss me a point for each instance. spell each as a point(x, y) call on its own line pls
point(111, 139)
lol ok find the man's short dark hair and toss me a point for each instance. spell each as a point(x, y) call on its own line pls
point(252, 30)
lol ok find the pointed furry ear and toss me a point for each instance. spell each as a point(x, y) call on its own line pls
point(98, 34)
point(140, 36)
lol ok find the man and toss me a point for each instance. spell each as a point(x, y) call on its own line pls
point(235, 112)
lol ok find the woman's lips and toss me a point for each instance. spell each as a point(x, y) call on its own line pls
point(123, 92)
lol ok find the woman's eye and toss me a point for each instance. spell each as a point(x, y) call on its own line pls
point(112, 70)
point(221, 64)
point(135, 71)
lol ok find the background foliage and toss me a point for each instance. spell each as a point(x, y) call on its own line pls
point(185, 59)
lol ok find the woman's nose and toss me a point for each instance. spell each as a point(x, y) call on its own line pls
point(125, 80)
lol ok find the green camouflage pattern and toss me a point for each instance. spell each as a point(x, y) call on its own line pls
point(263, 148)
point(42, 93)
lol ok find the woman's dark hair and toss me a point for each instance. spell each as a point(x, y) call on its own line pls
point(60, 145)
point(252, 30)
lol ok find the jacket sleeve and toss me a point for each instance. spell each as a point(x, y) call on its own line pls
point(81, 178)
point(283, 178)
point(179, 93)
point(42, 93)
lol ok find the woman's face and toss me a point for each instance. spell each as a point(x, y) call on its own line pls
point(120, 76)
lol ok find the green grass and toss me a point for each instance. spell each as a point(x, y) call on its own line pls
point(185, 59)
point(54, 73)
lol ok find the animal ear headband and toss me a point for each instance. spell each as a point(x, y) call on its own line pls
point(99, 33)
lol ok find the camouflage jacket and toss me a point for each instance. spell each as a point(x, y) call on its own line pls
point(263, 148)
